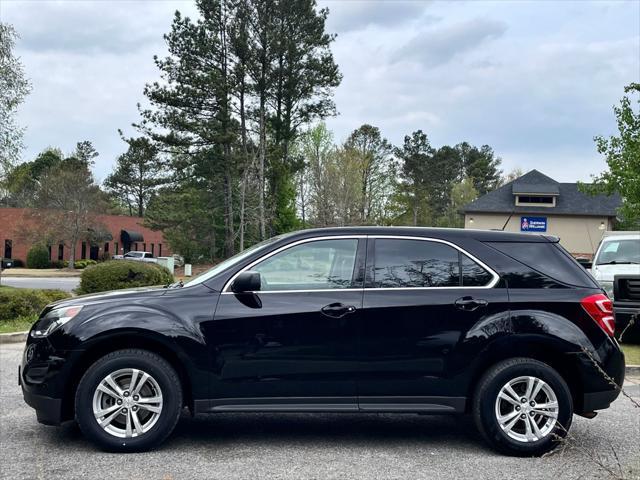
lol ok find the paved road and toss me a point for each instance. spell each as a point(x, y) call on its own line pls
point(280, 446)
point(63, 283)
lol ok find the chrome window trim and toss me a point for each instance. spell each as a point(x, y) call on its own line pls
point(227, 286)
point(496, 278)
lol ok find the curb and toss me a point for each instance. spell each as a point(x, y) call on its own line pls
point(17, 337)
point(26, 275)
point(632, 370)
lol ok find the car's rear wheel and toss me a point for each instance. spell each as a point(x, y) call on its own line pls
point(522, 407)
point(129, 400)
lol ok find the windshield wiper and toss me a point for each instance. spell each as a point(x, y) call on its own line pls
point(619, 262)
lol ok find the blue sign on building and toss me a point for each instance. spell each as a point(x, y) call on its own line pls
point(533, 224)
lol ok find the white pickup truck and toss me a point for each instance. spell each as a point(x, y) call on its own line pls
point(617, 254)
point(137, 256)
point(616, 267)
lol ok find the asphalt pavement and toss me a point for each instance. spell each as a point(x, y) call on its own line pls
point(307, 446)
point(62, 283)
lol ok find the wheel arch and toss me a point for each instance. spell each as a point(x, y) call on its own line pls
point(119, 340)
point(552, 352)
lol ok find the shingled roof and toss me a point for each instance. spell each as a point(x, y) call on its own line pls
point(535, 182)
point(569, 200)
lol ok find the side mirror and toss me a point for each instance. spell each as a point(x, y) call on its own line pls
point(246, 282)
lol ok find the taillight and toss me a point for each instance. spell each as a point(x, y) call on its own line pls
point(600, 308)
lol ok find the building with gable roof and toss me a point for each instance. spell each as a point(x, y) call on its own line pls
point(536, 203)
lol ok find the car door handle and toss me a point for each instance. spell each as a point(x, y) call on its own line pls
point(469, 304)
point(337, 310)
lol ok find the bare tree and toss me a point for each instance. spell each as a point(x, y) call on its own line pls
point(69, 202)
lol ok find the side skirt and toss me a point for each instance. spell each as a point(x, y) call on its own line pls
point(435, 405)
point(413, 404)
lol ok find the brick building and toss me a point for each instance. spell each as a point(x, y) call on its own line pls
point(123, 233)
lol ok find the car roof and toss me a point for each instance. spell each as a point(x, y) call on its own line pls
point(440, 233)
point(616, 238)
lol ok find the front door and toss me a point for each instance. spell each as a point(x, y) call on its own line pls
point(421, 298)
point(297, 336)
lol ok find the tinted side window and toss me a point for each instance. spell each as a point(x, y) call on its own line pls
point(473, 275)
point(322, 264)
point(547, 258)
point(415, 263)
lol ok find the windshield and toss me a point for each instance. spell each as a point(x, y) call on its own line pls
point(619, 252)
point(134, 254)
point(229, 262)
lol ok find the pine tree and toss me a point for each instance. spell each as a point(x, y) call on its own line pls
point(137, 175)
point(416, 157)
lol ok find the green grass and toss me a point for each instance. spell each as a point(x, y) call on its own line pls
point(21, 324)
point(631, 354)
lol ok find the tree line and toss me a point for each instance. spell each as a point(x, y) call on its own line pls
point(235, 125)
point(231, 145)
point(232, 149)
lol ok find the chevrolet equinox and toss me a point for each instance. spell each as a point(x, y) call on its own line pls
point(506, 327)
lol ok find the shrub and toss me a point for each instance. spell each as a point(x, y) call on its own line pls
point(78, 264)
point(82, 264)
point(38, 257)
point(24, 302)
point(118, 274)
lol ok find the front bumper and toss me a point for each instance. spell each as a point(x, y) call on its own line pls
point(44, 377)
point(48, 410)
point(624, 311)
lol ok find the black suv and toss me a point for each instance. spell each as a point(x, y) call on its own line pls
point(507, 327)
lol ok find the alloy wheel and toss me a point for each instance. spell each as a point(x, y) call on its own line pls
point(527, 409)
point(127, 403)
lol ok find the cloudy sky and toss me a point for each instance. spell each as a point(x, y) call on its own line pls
point(535, 80)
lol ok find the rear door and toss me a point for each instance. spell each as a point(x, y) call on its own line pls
point(421, 298)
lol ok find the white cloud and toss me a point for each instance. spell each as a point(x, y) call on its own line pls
point(352, 15)
point(534, 80)
point(439, 45)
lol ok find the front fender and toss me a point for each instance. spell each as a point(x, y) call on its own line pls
point(140, 326)
point(153, 319)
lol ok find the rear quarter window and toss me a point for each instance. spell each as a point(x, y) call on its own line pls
point(549, 259)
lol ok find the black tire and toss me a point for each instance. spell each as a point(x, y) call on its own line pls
point(160, 371)
point(486, 395)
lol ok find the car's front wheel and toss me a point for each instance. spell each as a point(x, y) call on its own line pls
point(129, 400)
point(523, 407)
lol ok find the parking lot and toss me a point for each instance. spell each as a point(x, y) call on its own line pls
point(241, 446)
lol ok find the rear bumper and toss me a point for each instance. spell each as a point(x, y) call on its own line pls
point(598, 400)
point(600, 377)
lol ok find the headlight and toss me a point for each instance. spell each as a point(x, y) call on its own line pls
point(608, 288)
point(54, 320)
